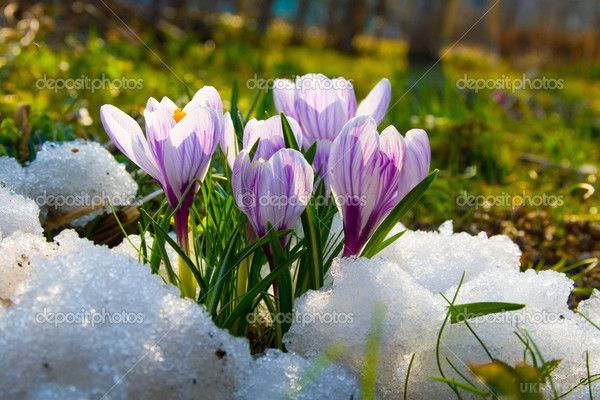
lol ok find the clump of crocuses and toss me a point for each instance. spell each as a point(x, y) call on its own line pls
point(367, 173)
point(176, 152)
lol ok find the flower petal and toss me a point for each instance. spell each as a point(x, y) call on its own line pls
point(127, 135)
point(270, 134)
point(284, 185)
point(158, 126)
point(320, 110)
point(354, 171)
point(346, 92)
point(205, 97)
point(283, 97)
point(393, 145)
point(188, 150)
point(377, 101)
point(168, 105)
point(243, 183)
point(228, 142)
point(322, 157)
point(416, 162)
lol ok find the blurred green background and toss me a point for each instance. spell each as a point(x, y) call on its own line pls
point(517, 144)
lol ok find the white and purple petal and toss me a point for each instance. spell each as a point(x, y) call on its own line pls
point(228, 141)
point(284, 92)
point(320, 110)
point(188, 150)
point(269, 133)
point(127, 135)
point(345, 91)
point(416, 162)
point(377, 101)
point(207, 96)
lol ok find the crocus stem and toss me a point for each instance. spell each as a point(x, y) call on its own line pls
point(187, 282)
point(271, 262)
point(278, 330)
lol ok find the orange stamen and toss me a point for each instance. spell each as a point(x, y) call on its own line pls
point(178, 114)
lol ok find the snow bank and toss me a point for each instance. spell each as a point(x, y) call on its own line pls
point(70, 176)
point(91, 322)
point(18, 213)
point(85, 321)
point(278, 375)
point(408, 280)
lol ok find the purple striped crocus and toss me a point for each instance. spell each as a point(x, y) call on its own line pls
point(322, 106)
point(370, 173)
point(272, 191)
point(176, 151)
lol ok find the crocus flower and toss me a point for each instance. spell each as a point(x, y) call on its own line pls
point(370, 173)
point(176, 151)
point(322, 106)
point(272, 191)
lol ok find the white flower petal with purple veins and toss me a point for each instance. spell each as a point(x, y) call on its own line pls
point(416, 162)
point(158, 126)
point(346, 92)
point(320, 110)
point(377, 101)
point(322, 106)
point(228, 141)
point(284, 92)
point(243, 183)
point(364, 172)
point(205, 97)
point(393, 145)
point(127, 135)
point(321, 158)
point(272, 192)
point(188, 150)
point(152, 105)
point(269, 133)
point(168, 105)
